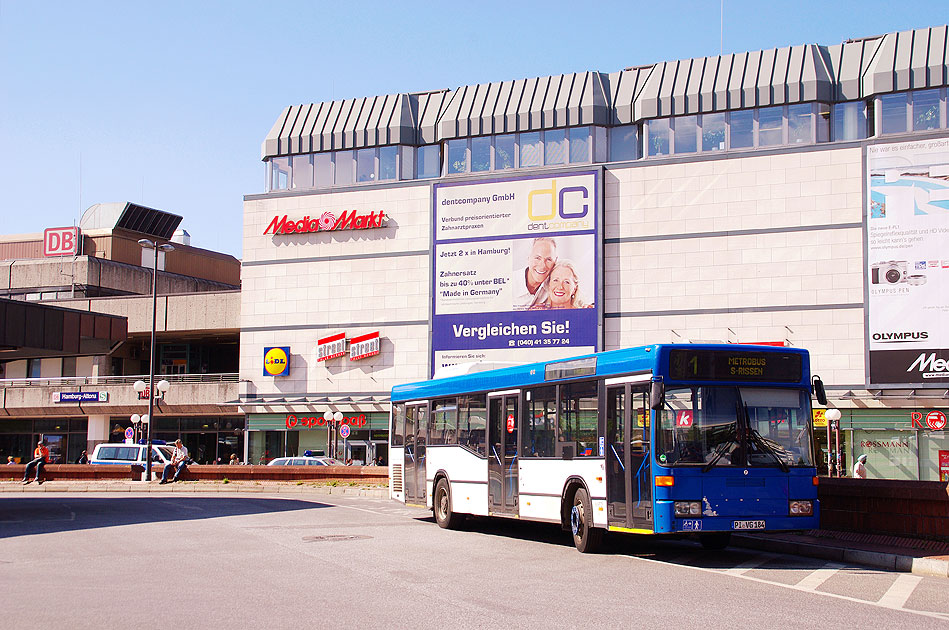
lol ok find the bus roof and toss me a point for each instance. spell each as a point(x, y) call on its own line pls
point(636, 360)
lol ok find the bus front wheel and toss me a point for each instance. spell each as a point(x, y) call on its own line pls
point(442, 504)
point(586, 537)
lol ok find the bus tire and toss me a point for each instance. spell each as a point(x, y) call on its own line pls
point(441, 502)
point(586, 538)
point(715, 540)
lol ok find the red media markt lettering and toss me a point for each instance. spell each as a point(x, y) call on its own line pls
point(348, 220)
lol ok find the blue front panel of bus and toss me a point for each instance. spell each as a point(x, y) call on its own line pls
point(739, 498)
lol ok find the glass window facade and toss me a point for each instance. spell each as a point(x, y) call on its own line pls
point(755, 128)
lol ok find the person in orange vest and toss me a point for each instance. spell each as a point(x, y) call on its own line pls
point(40, 459)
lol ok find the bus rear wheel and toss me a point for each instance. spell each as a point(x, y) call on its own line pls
point(586, 538)
point(442, 504)
point(714, 541)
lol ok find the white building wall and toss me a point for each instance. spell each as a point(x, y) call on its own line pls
point(299, 288)
point(716, 249)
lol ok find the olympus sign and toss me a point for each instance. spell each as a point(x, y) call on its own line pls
point(930, 366)
point(900, 337)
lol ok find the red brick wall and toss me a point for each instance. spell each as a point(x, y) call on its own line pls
point(884, 506)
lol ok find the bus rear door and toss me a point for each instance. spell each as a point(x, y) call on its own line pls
point(416, 431)
point(502, 451)
point(629, 480)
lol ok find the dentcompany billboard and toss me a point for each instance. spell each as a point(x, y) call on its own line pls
point(516, 269)
point(908, 263)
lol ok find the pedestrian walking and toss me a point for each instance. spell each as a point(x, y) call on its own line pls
point(860, 468)
point(82, 459)
point(40, 459)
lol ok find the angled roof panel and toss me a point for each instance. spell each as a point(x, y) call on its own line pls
point(287, 130)
point(489, 109)
point(476, 118)
point(302, 137)
point(936, 64)
point(271, 144)
point(535, 111)
point(514, 104)
point(737, 80)
point(548, 106)
point(764, 92)
point(723, 75)
point(693, 90)
point(780, 90)
point(499, 110)
point(556, 104)
point(448, 120)
point(904, 54)
point(430, 110)
point(749, 88)
point(361, 107)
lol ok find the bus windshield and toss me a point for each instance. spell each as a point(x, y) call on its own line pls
point(711, 426)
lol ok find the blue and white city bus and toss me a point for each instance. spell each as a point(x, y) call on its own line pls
point(703, 439)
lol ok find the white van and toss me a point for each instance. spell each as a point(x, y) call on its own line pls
point(113, 453)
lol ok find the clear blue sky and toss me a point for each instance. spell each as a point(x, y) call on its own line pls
point(166, 103)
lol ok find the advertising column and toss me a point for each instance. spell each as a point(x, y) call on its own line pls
point(515, 269)
point(908, 262)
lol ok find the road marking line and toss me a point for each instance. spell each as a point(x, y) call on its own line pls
point(750, 564)
point(900, 591)
point(818, 577)
point(923, 613)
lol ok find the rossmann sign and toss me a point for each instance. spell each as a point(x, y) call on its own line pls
point(327, 222)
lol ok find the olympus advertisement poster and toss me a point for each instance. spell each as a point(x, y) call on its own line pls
point(908, 262)
point(514, 273)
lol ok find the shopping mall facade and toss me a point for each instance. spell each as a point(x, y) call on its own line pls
point(795, 195)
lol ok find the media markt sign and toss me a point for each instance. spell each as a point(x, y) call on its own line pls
point(327, 222)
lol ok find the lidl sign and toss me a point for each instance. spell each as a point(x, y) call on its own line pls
point(277, 361)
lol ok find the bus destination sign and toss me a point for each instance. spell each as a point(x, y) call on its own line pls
point(724, 365)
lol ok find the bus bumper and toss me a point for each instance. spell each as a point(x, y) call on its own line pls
point(667, 523)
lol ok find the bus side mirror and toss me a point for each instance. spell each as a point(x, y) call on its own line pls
point(657, 395)
point(819, 391)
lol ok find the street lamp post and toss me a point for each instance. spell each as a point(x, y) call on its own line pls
point(165, 247)
point(833, 459)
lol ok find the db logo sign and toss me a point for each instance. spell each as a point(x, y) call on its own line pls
point(510, 423)
point(277, 361)
point(62, 241)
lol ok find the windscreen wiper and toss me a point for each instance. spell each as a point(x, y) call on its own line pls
point(763, 445)
point(721, 449)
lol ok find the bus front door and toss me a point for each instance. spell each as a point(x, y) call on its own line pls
point(502, 452)
point(629, 480)
point(416, 431)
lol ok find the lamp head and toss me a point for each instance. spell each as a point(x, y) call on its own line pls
point(832, 415)
point(135, 418)
point(139, 386)
point(163, 386)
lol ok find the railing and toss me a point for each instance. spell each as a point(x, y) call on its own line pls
point(79, 381)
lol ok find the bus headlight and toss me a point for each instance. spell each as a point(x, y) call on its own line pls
point(801, 508)
point(688, 508)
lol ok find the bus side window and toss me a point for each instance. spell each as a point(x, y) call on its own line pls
point(578, 419)
point(398, 424)
point(472, 422)
point(540, 423)
point(444, 422)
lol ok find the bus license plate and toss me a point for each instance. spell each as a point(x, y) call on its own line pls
point(748, 525)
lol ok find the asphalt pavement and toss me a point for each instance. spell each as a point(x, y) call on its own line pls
point(919, 557)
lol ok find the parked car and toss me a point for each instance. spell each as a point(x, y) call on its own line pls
point(305, 461)
point(111, 453)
